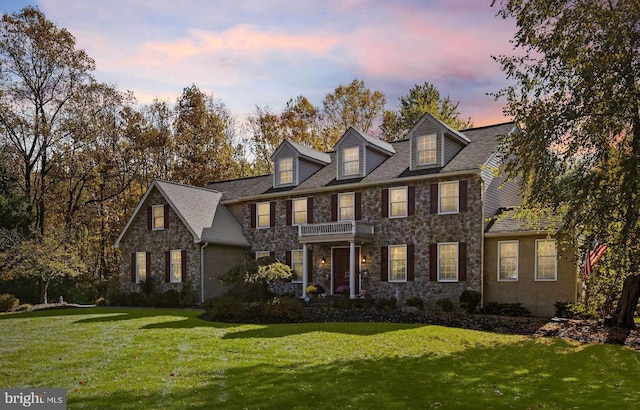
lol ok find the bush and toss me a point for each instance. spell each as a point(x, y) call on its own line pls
point(416, 302)
point(8, 302)
point(386, 304)
point(445, 305)
point(169, 298)
point(282, 309)
point(225, 308)
point(506, 309)
point(187, 296)
point(470, 300)
point(563, 309)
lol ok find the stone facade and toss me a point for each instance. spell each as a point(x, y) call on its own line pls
point(420, 229)
point(139, 238)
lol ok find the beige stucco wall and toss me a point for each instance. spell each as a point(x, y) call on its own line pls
point(537, 296)
point(218, 259)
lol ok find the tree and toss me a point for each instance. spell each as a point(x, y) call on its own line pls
point(15, 208)
point(40, 71)
point(577, 99)
point(353, 105)
point(421, 99)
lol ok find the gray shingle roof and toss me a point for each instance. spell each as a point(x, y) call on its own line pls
point(508, 221)
point(483, 142)
point(310, 152)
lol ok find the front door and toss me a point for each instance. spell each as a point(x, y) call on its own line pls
point(340, 270)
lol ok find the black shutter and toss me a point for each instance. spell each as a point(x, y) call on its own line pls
point(411, 200)
point(358, 206)
point(410, 262)
point(433, 262)
point(149, 218)
point(309, 210)
point(334, 207)
point(148, 255)
point(462, 195)
point(433, 199)
point(272, 213)
point(287, 259)
point(167, 266)
point(384, 264)
point(385, 203)
point(166, 215)
point(133, 267)
point(252, 211)
point(289, 212)
point(462, 261)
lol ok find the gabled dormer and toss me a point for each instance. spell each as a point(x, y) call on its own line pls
point(434, 143)
point(293, 163)
point(358, 154)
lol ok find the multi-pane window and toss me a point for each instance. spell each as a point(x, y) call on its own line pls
point(285, 170)
point(508, 261)
point(141, 267)
point(299, 208)
point(397, 263)
point(158, 216)
point(448, 197)
point(297, 265)
point(346, 206)
point(426, 147)
point(263, 214)
point(351, 161)
point(397, 202)
point(176, 266)
point(448, 262)
point(546, 260)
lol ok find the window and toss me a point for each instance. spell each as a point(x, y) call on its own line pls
point(141, 267)
point(448, 197)
point(508, 261)
point(346, 207)
point(262, 254)
point(426, 147)
point(158, 217)
point(398, 263)
point(297, 265)
point(448, 262)
point(176, 266)
point(285, 171)
point(546, 260)
point(263, 214)
point(351, 161)
point(299, 207)
point(398, 202)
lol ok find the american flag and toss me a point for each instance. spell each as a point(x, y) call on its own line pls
point(592, 258)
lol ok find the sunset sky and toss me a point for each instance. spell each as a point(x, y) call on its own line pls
point(265, 52)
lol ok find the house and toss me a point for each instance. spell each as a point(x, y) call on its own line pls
point(412, 218)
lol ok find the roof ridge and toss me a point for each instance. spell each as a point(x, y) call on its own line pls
point(184, 185)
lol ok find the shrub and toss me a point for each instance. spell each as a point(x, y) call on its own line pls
point(226, 308)
point(8, 302)
point(282, 309)
point(563, 309)
point(187, 296)
point(416, 302)
point(340, 304)
point(470, 300)
point(169, 298)
point(506, 309)
point(445, 305)
point(386, 304)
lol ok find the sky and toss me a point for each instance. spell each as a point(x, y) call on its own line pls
point(263, 53)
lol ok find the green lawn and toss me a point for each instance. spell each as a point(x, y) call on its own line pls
point(117, 358)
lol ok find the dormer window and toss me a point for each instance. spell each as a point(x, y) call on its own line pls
point(285, 171)
point(351, 161)
point(426, 146)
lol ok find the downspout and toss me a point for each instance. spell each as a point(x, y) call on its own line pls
point(202, 271)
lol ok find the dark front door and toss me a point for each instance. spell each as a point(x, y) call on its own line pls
point(340, 268)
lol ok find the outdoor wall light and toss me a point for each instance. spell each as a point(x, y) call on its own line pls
point(322, 261)
point(364, 259)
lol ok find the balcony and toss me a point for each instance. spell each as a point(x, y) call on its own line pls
point(348, 231)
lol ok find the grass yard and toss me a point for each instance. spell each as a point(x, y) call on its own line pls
point(117, 358)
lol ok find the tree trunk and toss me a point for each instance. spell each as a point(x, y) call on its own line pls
point(628, 302)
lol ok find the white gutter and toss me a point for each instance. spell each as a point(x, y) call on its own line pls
point(202, 271)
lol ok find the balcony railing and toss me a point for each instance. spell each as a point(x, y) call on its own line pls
point(338, 230)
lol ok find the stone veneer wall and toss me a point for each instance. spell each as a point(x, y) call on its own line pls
point(420, 229)
point(140, 239)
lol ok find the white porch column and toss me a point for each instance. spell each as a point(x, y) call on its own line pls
point(352, 270)
point(305, 271)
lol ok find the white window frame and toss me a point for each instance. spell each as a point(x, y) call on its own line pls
point(517, 261)
point(353, 206)
point(267, 215)
point(154, 225)
point(350, 162)
point(457, 197)
point(294, 212)
point(440, 245)
point(297, 253)
point(391, 260)
point(173, 266)
point(405, 200)
point(555, 261)
point(431, 139)
point(141, 266)
point(282, 171)
point(262, 254)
